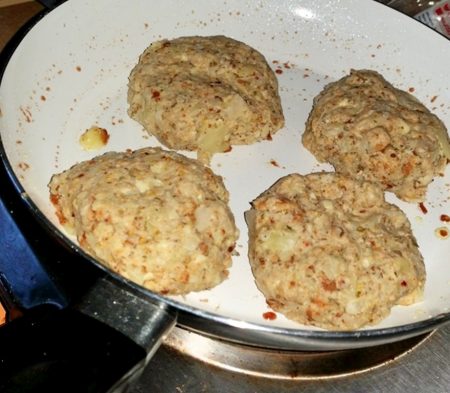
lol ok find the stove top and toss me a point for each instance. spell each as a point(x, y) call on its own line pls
point(188, 362)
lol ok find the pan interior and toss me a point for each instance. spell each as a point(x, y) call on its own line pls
point(70, 73)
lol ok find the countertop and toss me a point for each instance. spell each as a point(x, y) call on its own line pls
point(12, 17)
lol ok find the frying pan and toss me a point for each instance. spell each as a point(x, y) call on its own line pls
point(70, 72)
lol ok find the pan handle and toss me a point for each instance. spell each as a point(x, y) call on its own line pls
point(144, 323)
point(61, 350)
point(115, 305)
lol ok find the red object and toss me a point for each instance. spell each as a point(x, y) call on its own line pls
point(270, 315)
point(445, 218)
point(423, 208)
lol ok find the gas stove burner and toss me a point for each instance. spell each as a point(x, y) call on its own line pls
point(286, 365)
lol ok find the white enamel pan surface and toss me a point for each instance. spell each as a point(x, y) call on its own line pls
point(70, 72)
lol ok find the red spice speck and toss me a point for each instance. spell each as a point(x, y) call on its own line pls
point(445, 218)
point(404, 283)
point(23, 165)
point(78, 68)
point(329, 285)
point(27, 114)
point(54, 198)
point(269, 316)
point(104, 136)
point(274, 163)
point(443, 232)
point(423, 208)
point(43, 98)
point(156, 95)
point(278, 71)
point(411, 89)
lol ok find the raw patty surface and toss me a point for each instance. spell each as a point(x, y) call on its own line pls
point(328, 251)
point(368, 129)
point(158, 218)
point(204, 94)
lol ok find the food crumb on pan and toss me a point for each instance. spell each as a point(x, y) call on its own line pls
point(444, 218)
point(423, 208)
point(274, 163)
point(27, 114)
point(442, 232)
point(94, 138)
point(24, 166)
point(269, 316)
